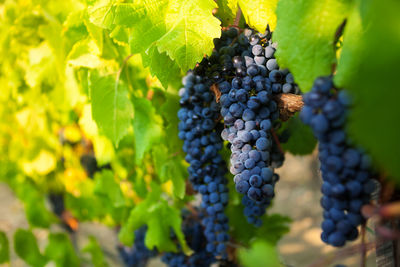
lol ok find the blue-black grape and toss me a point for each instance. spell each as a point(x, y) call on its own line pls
point(249, 111)
point(138, 254)
point(200, 128)
point(346, 170)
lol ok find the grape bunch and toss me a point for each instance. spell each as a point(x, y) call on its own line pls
point(200, 129)
point(346, 169)
point(196, 240)
point(138, 254)
point(249, 112)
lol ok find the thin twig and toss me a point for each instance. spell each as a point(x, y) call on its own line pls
point(363, 248)
point(237, 19)
point(122, 67)
point(276, 139)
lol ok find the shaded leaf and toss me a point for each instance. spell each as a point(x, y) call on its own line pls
point(61, 251)
point(368, 67)
point(94, 249)
point(107, 186)
point(227, 11)
point(4, 248)
point(161, 65)
point(146, 126)
point(301, 140)
point(305, 33)
point(111, 108)
point(160, 219)
point(26, 247)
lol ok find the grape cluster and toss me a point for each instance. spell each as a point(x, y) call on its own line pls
point(249, 113)
point(346, 170)
point(196, 240)
point(138, 254)
point(200, 129)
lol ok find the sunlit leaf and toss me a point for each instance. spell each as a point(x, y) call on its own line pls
point(259, 13)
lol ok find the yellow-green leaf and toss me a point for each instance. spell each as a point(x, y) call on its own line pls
point(259, 13)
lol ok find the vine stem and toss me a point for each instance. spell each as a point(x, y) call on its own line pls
point(237, 18)
point(122, 68)
point(363, 247)
point(276, 139)
point(288, 105)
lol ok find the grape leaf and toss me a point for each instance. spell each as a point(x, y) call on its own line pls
point(111, 108)
point(107, 186)
point(159, 228)
point(305, 34)
point(26, 247)
point(85, 53)
point(301, 140)
point(171, 25)
point(260, 251)
point(94, 249)
point(186, 40)
point(4, 248)
point(227, 11)
point(61, 251)
point(371, 77)
point(170, 167)
point(146, 126)
point(259, 13)
point(160, 218)
point(34, 204)
point(161, 65)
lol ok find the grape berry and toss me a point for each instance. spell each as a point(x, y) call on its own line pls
point(346, 170)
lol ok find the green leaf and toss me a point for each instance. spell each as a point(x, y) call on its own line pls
point(107, 186)
point(274, 227)
point(61, 251)
point(161, 65)
point(159, 228)
point(305, 33)
point(111, 108)
point(171, 25)
point(85, 53)
point(260, 251)
point(146, 126)
point(301, 140)
point(227, 11)
point(138, 216)
point(34, 203)
point(371, 76)
point(187, 40)
point(120, 35)
point(170, 167)
point(4, 248)
point(94, 249)
point(259, 13)
point(160, 218)
point(96, 33)
point(26, 247)
point(85, 207)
